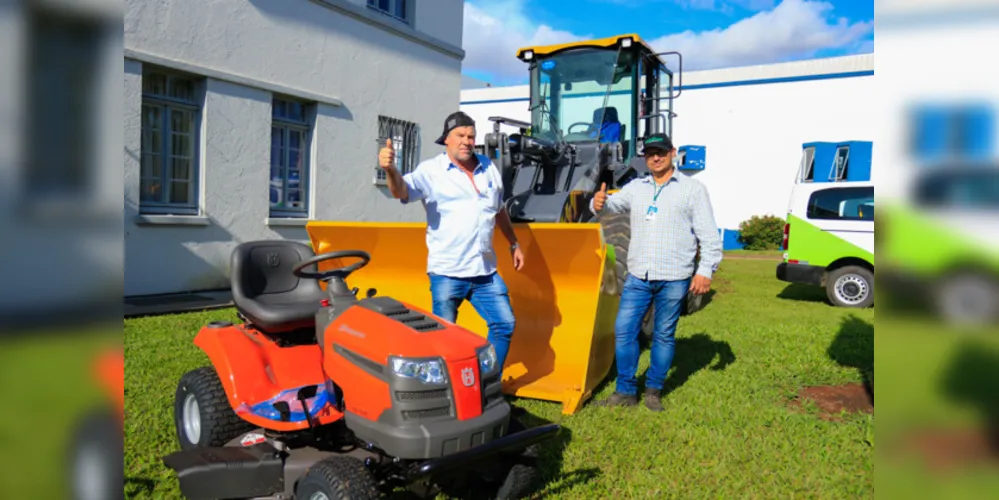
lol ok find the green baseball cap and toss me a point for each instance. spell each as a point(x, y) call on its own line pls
point(657, 141)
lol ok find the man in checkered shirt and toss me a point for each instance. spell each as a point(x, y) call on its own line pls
point(670, 215)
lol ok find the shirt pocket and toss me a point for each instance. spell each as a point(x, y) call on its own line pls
point(490, 198)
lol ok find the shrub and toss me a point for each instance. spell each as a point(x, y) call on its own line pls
point(762, 232)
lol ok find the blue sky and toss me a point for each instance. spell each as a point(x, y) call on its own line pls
point(709, 33)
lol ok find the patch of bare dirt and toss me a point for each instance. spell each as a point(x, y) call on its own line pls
point(721, 284)
point(949, 449)
point(831, 400)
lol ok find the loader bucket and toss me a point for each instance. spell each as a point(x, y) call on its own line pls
point(565, 298)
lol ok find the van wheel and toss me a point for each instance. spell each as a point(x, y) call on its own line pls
point(968, 299)
point(850, 286)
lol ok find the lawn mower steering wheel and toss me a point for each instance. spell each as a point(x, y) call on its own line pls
point(341, 272)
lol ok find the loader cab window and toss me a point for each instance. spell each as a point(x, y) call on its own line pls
point(584, 95)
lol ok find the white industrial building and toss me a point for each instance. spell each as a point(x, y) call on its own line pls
point(751, 120)
point(245, 119)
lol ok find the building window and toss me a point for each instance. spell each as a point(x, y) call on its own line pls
point(939, 133)
point(842, 203)
point(171, 114)
point(405, 141)
point(807, 167)
point(63, 108)
point(398, 9)
point(841, 163)
point(290, 139)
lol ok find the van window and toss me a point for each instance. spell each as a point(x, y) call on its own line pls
point(974, 188)
point(842, 203)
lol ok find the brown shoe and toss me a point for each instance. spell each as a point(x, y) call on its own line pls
point(618, 399)
point(652, 400)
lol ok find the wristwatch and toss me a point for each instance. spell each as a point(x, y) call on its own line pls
point(514, 246)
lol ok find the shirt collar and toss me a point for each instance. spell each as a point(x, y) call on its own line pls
point(675, 177)
point(446, 160)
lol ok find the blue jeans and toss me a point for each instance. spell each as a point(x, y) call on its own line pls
point(490, 298)
point(636, 298)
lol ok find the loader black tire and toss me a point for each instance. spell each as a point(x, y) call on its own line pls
point(201, 390)
point(617, 232)
point(338, 478)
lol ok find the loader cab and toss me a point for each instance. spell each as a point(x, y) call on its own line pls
point(611, 90)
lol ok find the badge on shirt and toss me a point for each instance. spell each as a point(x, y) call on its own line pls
point(650, 214)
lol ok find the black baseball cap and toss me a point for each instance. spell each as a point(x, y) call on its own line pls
point(453, 121)
point(657, 141)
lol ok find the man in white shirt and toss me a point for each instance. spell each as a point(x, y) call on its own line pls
point(462, 194)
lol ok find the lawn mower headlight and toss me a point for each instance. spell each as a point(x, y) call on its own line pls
point(487, 361)
point(429, 371)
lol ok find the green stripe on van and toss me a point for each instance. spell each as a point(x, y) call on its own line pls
point(816, 247)
point(923, 244)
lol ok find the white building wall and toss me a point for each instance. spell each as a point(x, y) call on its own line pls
point(354, 64)
point(752, 120)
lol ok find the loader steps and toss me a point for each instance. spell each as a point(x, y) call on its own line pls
point(396, 310)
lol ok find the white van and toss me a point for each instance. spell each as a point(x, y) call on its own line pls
point(829, 240)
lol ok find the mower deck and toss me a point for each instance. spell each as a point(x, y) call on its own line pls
point(254, 467)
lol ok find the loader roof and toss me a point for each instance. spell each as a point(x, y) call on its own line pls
point(611, 41)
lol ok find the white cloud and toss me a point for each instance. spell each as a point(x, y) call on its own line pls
point(795, 29)
point(725, 6)
point(495, 29)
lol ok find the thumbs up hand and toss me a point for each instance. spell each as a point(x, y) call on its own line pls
point(600, 198)
point(386, 155)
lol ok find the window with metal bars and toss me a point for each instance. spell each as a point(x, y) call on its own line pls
point(398, 9)
point(289, 175)
point(171, 112)
point(405, 141)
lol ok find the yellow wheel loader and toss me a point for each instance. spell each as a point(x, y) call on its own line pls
point(590, 103)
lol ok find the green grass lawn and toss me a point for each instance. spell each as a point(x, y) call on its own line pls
point(727, 430)
point(48, 389)
point(939, 386)
point(771, 254)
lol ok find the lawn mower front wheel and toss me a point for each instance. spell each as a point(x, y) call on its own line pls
point(508, 476)
point(202, 415)
point(337, 478)
point(96, 455)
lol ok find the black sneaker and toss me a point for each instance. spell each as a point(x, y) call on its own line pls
point(618, 399)
point(652, 400)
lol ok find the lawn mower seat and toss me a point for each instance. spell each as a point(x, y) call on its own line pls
point(266, 292)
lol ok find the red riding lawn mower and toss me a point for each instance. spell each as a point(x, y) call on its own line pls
point(96, 448)
point(321, 395)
